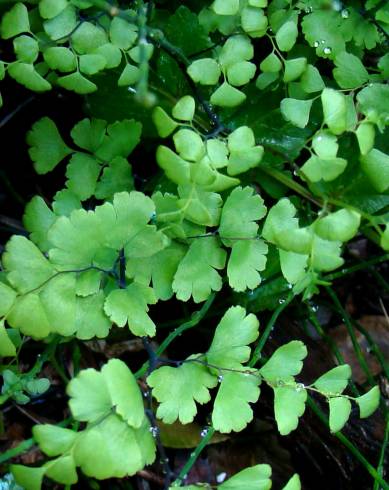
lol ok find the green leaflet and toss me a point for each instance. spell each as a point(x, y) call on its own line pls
point(7, 347)
point(296, 111)
point(334, 381)
point(53, 440)
point(240, 211)
point(285, 362)
point(375, 165)
point(231, 411)
point(341, 225)
point(47, 146)
point(234, 332)
point(130, 306)
point(293, 484)
point(15, 21)
point(349, 72)
point(197, 274)
point(252, 478)
point(247, 259)
point(340, 409)
point(177, 390)
point(289, 405)
point(205, 71)
point(334, 110)
point(368, 403)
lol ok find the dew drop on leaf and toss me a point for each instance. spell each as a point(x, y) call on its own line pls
point(327, 50)
point(316, 44)
point(204, 432)
point(345, 14)
point(300, 386)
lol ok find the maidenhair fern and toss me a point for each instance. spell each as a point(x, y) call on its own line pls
point(269, 161)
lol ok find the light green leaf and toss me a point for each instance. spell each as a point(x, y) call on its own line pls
point(254, 21)
point(91, 320)
point(60, 58)
point(289, 405)
point(227, 96)
point(334, 110)
point(241, 139)
point(29, 316)
point(323, 25)
point(62, 470)
point(252, 478)
point(246, 260)
point(365, 134)
point(82, 172)
point(340, 409)
point(334, 381)
point(197, 275)
point(311, 80)
point(241, 73)
point(130, 306)
point(122, 33)
point(158, 269)
point(118, 449)
point(117, 177)
point(7, 298)
point(90, 399)
point(226, 7)
point(325, 144)
point(15, 21)
point(184, 109)
point(177, 390)
point(271, 64)
point(349, 72)
point(229, 347)
point(111, 53)
point(265, 79)
point(316, 169)
point(293, 265)
point(373, 103)
point(280, 217)
point(296, 111)
point(65, 202)
point(325, 255)
point(163, 122)
point(77, 83)
point(294, 68)
point(189, 145)
point(7, 347)
point(90, 64)
point(26, 266)
point(376, 166)
point(124, 392)
point(293, 484)
point(88, 134)
point(62, 25)
point(286, 361)
point(341, 225)
point(27, 477)
point(236, 48)
point(122, 137)
point(286, 35)
point(26, 49)
point(25, 74)
point(47, 146)
point(231, 410)
point(240, 211)
point(217, 153)
point(369, 402)
point(51, 8)
point(199, 206)
point(53, 440)
point(59, 302)
point(88, 37)
point(205, 71)
point(88, 282)
point(129, 76)
point(384, 242)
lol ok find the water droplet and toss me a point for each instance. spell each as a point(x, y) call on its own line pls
point(220, 378)
point(327, 50)
point(308, 10)
point(281, 301)
point(345, 14)
point(314, 308)
point(146, 394)
point(300, 386)
point(337, 5)
point(221, 477)
point(154, 431)
point(290, 286)
point(316, 44)
point(250, 293)
point(323, 41)
point(280, 382)
point(204, 432)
